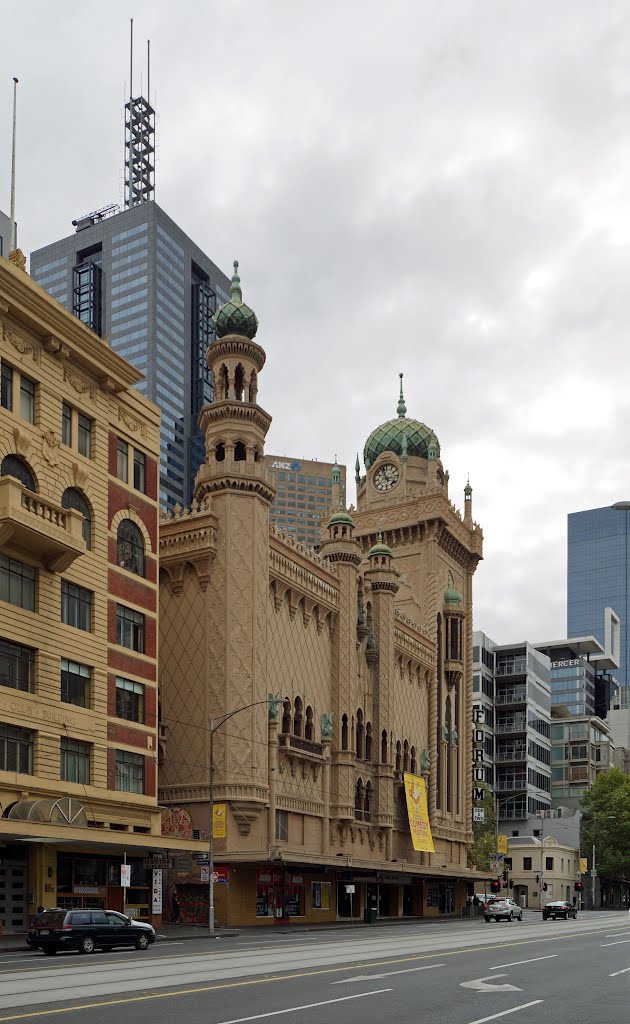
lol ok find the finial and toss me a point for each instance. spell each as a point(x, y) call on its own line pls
point(380, 536)
point(235, 285)
point(357, 469)
point(401, 408)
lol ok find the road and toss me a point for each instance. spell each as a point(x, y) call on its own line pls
point(465, 972)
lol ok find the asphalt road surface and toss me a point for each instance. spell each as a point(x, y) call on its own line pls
point(534, 972)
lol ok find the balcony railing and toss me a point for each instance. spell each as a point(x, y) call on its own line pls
point(510, 697)
point(513, 754)
point(38, 527)
point(518, 725)
point(511, 785)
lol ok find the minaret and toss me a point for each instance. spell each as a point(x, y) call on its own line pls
point(468, 519)
point(234, 476)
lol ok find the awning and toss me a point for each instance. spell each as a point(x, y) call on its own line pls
point(62, 811)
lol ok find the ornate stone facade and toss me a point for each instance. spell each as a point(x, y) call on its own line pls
point(368, 643)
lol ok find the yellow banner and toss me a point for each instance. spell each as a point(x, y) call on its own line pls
point(583, 865)
point(420, 828)
point(502, 845)
point(219, 821)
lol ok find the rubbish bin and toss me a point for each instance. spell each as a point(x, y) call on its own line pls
point(369, 915)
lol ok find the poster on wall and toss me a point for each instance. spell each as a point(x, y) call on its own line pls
point(418, 811)
point(156, 891)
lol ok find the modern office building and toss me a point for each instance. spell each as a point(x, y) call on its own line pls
point(483, 696)
point(5, 234)
point(581, 748)
point(135, 278)
point(598, 575)
point(303, 495)
point(582, 677)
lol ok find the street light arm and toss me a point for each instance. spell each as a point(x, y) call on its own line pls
point(225, 718)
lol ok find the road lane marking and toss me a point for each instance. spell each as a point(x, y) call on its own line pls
point(620, 943)
point(532, 961)
point(173, 993)
point(614, 935)
point(515, 1009)
point(307, 1006)
point(388, 974)
point(614, 975)
point(481, 984)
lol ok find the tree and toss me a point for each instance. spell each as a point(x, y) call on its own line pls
point(607, 803)
point(484, 845)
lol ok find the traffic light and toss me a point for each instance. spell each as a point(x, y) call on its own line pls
point(578, 887)
point(504, 876)
point(495, 887)
point(511, 883)
point(544, 887)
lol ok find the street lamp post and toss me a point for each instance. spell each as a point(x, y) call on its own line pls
point(215, 725)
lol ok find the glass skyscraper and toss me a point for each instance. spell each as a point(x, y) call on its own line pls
point(139, 281)
point(598, 571)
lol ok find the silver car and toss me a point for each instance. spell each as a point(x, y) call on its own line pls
point(501, 908)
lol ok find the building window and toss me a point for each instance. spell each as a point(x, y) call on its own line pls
point(71, 498)
point(17, 583)
point(129, 700)
point(87, 295)
point(129, 772)
point(527, 863)
point(27, 399)
point(17, 666)
point(282, 826)
point(76, 606)
point(548, 863)
point(139, 471)
point(6, 392)
point(13, 465)
point(84, 435)
point(76, 682)
point(74, 761)
point(122, 460)
point(130, 628)
point(66, 424)
point(16, 749)
point(130, 547)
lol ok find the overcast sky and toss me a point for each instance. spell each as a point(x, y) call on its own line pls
point(440, 188)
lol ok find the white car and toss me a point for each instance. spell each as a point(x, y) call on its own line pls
point(501, 908)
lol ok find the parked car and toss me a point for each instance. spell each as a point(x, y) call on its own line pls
point(86, 930)
point(501, 908)
point(559, 908)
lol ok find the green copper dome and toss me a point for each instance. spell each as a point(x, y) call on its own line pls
point(234, 317)
point(380, 548)
point(341, 516)
point(403, 436)
point(452, 596)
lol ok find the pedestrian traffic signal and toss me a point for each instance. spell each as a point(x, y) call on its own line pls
point(578, 887)
point(495, 887)
point(537, 879)
point(544, 887)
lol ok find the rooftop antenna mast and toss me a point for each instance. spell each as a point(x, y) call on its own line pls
point(139, 140)
point(12, 228)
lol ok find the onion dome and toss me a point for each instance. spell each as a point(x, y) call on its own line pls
point(452, 596)
point(234, 317)
point(341, 517)
point(468, 489)
point(403, 436)
point(380, 548)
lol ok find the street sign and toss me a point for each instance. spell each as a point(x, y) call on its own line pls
point(499, 856)
point(125, 875)
point(156, 891)
point(479, 814)
point(593, 873)
point(494, 865)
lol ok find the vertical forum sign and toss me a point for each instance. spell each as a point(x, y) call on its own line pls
point(479, 768)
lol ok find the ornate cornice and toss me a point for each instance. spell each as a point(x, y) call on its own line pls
point(230, 414)
point(234, 346)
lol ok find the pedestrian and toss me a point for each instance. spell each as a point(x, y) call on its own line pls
point(469, 902)
point(476, 900)
point(175, 907)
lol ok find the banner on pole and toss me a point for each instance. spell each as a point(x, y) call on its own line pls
point(219, 821)
point(583, 865)
point(502, 846)
point(419, 825)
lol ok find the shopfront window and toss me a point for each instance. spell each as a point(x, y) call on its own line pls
point(320, 895)
point(269, 893)
point(294, 896)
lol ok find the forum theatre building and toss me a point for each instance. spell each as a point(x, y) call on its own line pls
point(368, 645)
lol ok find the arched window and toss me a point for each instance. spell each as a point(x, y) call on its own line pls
point(239, 377)
point(130, 547)
point(384, 746)
point(398, 756)
point(308, 728)
point(367, 802)
point(13, 466)
point(368, 742)
point(359, 733)
point(358, 800)
point(406, 756)
point(286, 715)
point(414, 764)
point(223, 387)
point(240, 452)
point(219, 452)
point(71, 498)
point(344, 732)
point(297, 717)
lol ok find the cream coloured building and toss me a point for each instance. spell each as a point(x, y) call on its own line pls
point(368, 643)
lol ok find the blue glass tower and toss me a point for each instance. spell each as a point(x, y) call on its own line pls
point(598, 572)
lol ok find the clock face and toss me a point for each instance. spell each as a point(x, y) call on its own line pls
point(386, 477)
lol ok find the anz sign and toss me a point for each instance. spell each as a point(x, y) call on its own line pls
point(294, 466)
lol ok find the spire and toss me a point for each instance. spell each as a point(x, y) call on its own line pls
point(235, 285)
point(357, 470)
point(401, 408)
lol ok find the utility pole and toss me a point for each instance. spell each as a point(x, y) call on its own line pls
point(542, 861)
